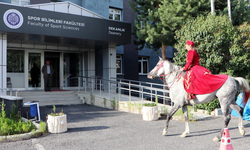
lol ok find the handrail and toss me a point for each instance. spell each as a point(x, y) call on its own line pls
point(138, 81)
point(144, 89)
point(9, 89)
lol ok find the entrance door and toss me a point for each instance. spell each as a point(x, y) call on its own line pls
point(34, 70)
point(54, 58)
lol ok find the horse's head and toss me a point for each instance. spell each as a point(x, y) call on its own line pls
point(157, 70)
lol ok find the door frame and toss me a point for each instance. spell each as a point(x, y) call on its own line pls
point(26, 63)
point(60, 80)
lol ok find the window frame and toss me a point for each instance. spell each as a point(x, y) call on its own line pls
point(115, 13)
point(20, 2)
point(119, 57)
point(141, 60)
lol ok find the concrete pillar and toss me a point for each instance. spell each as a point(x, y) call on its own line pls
point(109, 64)
point(91, 63)
point(3, 62)
point(89, 66)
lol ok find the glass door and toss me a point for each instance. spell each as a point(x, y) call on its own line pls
point(34, 70)
point(72, 68)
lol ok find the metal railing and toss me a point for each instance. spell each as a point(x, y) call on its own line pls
point(124, 88)
point(6, 91)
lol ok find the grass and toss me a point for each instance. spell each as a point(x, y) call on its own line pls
point(150, 104)
point(113, 103)
point(104, 102)
point(14, 125)
point(92, 98)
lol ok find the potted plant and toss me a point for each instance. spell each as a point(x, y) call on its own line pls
point(57, 122)
point(150, 111)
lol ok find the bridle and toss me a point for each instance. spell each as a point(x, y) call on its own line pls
point(163, 76)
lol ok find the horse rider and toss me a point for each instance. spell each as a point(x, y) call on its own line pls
point(198, 79)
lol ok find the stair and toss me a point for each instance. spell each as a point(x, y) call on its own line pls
point(51, 98)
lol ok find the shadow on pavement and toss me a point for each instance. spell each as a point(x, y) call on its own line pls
point(78, 113)
point(78, 129)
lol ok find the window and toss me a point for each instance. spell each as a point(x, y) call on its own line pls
point(143, 65)
point(20, 2)
point(115, 14)
point(118, 64)
point(15, 61)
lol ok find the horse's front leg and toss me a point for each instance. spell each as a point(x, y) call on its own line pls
point(185, 114)
point(169, 116)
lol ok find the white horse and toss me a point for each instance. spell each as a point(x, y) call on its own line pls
point(225, 94)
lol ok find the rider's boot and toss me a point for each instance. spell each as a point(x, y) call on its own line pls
point(191, 96)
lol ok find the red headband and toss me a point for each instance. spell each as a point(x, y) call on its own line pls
point(190, 43)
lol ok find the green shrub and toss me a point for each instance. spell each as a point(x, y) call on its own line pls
point(43, 127)
point(11, 127)
point(113, 103)
point(208, 106)
point(56, 114)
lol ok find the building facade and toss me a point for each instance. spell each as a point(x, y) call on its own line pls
point(80, 38)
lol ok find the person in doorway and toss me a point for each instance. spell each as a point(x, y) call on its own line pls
point(35, 73)
point(47, 71)
point(198, 79)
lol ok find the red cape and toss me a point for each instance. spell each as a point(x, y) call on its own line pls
point(199, 80)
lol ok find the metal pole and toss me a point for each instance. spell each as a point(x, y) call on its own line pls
point(229, 9)
point(100, 86)
point(119, 85)
point(139, 88)
point(141, 96)
point(212, 7)
point(109, 89)
point(129, 92)
point(85, 85)
point(92, 86)
point(78, 84)
point(151, 91)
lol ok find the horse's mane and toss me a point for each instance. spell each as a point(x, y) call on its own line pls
point(175, 68)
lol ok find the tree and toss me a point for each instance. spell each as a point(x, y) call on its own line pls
point(157, 20)
point(222, 47)
point(240, 10)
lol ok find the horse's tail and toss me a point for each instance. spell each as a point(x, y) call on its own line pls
point(244, 86)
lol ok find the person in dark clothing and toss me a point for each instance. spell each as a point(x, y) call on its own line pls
point(35, 73)
point(47, 71)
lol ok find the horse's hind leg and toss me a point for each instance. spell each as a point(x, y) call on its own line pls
point(239, 110)
point(185, 114)
point(169, 116)
point(227, 118)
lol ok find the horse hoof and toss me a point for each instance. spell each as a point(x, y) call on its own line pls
point(184, 135)
point(242, 132)
point(164, 132)
point(216, 139)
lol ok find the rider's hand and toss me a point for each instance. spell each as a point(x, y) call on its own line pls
point(181, 69)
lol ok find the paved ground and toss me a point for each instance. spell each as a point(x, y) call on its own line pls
point(94, 128)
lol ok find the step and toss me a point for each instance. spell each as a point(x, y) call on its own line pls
point(51, 98)
point(47, 103)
